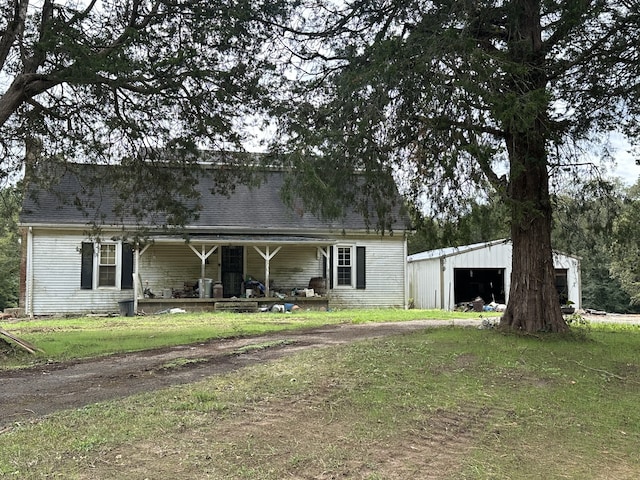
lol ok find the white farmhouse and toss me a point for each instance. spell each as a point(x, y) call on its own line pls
point(244, 250)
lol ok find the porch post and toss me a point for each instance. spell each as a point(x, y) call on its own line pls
point(138, 288)
point(324, 251)
point(136, 277)
point(267, 258)
point(203, 262)
point(203, 255)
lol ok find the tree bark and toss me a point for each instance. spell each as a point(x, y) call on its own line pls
point(534, 304)
point(23, 88)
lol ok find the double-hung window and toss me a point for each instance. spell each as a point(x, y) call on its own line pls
point(107, 265)
point(344, 266)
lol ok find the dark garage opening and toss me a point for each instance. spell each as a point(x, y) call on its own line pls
point(486, 283)
point(562, 285)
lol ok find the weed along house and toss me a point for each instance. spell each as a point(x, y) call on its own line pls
point(447, 277)
point(244, 250)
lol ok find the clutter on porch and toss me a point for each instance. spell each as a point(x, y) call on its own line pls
point(206, 294)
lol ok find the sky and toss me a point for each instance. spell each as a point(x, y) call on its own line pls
point(627, 170)
point(625, 166)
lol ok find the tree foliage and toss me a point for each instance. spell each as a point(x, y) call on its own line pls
point(584, 225)
point(457, 97)
point(139, 82)
point(626, 247)
point(10, 199)
point(484, 221)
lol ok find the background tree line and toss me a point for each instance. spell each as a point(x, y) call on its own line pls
point(10, 200)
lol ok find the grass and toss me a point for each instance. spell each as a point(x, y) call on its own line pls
point(76, 338)
point(446, 403)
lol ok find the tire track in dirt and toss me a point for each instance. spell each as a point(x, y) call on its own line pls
point(438, 446)
point(32, 393)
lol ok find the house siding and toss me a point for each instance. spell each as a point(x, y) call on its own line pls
point(55, 263)
point(385, 276)
point(292, 267)
point(54, 275)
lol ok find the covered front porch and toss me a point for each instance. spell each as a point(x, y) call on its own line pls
point(243, 273)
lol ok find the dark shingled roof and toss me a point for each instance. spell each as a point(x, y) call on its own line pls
point(69, 201)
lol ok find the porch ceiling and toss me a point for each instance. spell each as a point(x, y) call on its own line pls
point(257, 240)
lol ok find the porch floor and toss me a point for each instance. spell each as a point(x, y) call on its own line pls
point(152, 306)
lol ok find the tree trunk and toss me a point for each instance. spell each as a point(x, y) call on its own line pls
point(534, 304)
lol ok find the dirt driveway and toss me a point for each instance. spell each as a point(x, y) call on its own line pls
point(29, 394)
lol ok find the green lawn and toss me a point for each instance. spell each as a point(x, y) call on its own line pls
point(454, 403)
point(73, 338)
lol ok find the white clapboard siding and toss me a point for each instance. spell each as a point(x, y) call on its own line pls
point(54, 272)
point(385, 276)
point(292, 267)
point(55, 278)
point(173, 266)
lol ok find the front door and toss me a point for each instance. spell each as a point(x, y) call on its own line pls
point(232, 270)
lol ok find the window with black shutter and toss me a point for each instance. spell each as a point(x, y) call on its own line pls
point(106, 264)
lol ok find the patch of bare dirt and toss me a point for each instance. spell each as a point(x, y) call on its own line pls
point(296, 438)
point(29, 394)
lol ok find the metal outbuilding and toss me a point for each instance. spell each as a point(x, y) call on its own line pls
point(446, 277)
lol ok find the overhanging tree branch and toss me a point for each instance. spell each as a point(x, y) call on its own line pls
point(14, 29)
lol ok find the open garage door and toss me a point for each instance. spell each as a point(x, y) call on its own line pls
point(486, 283)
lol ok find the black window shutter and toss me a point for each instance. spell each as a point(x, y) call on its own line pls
point(324, 266)
point(330, 267)
point(361, 268)
point(86, 269)
point(126, 276)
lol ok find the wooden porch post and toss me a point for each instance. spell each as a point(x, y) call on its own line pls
point(203, 255)
point(203, 263)
point(136, 278)
point(267, 258)
point(138, 288)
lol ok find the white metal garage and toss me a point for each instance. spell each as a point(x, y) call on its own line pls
point(445, 277)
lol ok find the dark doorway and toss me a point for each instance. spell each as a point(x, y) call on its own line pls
point(486, 283)
point(232, 270)
point(562, 285)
